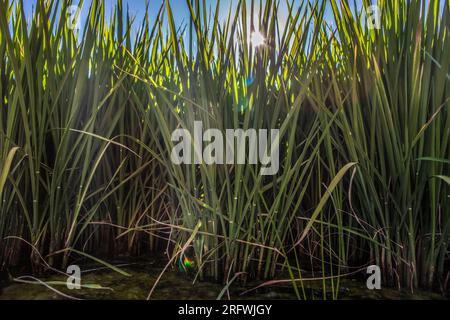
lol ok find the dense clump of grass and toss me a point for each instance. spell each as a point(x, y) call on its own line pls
point(395, 98)
point(67, 108)
point(86, 119)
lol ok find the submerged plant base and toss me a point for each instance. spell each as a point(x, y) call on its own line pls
point(105, 284)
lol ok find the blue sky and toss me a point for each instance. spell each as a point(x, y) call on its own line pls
point(137, 8)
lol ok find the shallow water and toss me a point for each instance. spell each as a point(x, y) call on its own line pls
point(178, 285)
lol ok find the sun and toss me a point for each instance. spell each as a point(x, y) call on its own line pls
point(257, 39)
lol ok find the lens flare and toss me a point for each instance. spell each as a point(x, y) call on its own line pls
point(184, 263)
point(250, 80)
